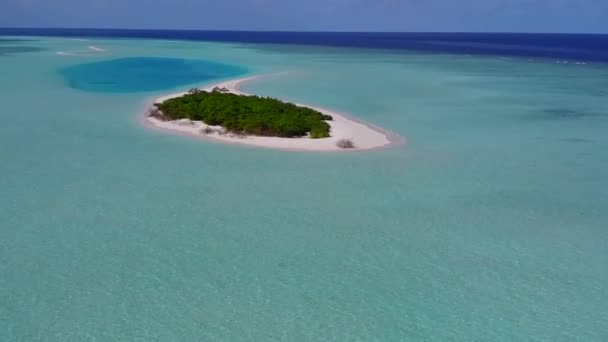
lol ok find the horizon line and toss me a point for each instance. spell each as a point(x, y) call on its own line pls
point(296, 31)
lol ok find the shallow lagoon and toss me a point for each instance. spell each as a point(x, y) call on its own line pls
point(489, 225)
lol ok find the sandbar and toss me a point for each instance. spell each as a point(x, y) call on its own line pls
point(364, 136)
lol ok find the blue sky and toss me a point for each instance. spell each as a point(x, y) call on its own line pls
point(313, 15)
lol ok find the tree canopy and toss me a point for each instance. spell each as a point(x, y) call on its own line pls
point(247, 114)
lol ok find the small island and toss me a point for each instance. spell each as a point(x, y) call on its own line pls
point(223, 113)
point(245, 114)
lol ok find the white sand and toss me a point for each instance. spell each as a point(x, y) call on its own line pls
point(364, 136)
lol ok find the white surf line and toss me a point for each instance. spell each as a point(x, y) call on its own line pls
point(90, 51)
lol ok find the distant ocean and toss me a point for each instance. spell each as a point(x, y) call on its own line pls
point(581, 47)
point(490, 224)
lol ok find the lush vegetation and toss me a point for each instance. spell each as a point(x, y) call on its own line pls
point(246, 114)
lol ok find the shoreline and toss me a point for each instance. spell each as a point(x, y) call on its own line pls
point(365, 136)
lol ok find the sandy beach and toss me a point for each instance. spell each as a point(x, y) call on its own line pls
point(364, 136)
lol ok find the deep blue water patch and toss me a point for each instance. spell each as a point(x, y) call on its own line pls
point(142, 74)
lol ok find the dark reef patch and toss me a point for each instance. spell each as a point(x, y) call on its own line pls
point(15, 40)
point(11, 46)
point(564, 114)
point(6, 50)
point(575, 140)
point(560, 113)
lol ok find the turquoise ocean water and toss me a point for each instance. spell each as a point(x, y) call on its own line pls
point(491, 224)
